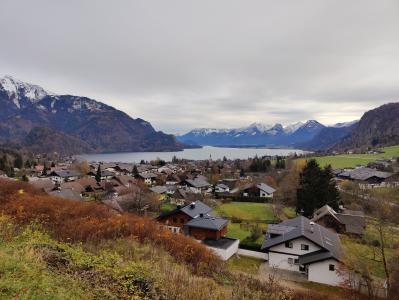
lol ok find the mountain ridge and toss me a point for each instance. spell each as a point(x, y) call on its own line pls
point(257, 134)
point(83, 120)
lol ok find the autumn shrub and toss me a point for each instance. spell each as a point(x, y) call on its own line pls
point(74, 221)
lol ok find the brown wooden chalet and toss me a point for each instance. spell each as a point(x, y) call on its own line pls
point(196, 220)
point(345, 221)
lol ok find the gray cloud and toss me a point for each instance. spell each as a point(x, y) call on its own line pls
point(181, 64)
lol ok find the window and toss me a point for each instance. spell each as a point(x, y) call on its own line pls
point(296, 261)
point(305, 247)
point(289, 245)
point(290, 260)
point(331, 267)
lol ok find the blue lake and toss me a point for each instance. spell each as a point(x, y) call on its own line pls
point(191, 154)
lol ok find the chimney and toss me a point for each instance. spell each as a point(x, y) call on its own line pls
point(201, 215)
point(311, 226)
point(192, 205)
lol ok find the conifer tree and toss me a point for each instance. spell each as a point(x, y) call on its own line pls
point(98, 174)
point(316, 188)
point(135, 172)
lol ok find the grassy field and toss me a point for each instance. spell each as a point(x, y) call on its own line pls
point(246, 211)
point(245, 264)
point(371, 255)
point(352, 160)
point(251, 215)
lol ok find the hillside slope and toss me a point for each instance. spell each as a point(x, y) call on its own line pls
point(327, 137)
point(377, 127)
point(99, 127)
point(52, 248)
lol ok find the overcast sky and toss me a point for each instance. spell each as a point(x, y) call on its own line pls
point(185, 64)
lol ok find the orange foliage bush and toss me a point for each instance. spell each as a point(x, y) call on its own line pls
point(75, 221)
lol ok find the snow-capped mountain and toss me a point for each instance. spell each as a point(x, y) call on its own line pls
point(291, 128)
point(29, 112)
point(258, 134)
point(20, 93)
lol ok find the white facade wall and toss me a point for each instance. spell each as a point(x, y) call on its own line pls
point(225, 254)
point(319, 272)
point(280, 261)
point(263, 194)
point(296, 249)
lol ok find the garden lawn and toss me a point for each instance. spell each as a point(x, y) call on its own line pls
point(246, 211)
point(352, 160)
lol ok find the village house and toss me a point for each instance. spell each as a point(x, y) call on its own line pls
point(196, 220)
point(59, 176)
point(346, 221)
point(302, 246)
point(221, 188)
point(261, 190)
point(148, 178)
point(105, 174)
point(198, 184)
point(368, 178)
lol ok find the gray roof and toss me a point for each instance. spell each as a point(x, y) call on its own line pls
point(363, 173)
point(147, 175)
point(198, 182)
point(207, 222)
point(266, 188)
point(66, 173)
point(354, 221)
point(196, 208)
point(222, 243)
point(159, 189)
point(300, 227)
point(222, 186)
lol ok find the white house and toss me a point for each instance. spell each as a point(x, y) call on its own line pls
point(221, 188)
point(148, 177)
point(60, 176)
point(265, 191)
point(300, 245)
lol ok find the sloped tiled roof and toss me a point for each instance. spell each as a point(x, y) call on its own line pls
point(266, 188)
point(300, 227)
point(207, 222)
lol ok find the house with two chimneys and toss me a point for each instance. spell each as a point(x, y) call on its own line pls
point(197, 220)
point(305, 247)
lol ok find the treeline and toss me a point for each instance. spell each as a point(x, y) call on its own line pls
point(265, 164)
point(13, 159)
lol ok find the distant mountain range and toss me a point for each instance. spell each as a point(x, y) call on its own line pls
point(44, 122)
point(310, 134)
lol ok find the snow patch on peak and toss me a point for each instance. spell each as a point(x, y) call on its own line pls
point(258, 126)
point(311, 124)
point(291, 128)
point(86, 104)
point(17, 90)
point(206, 131)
